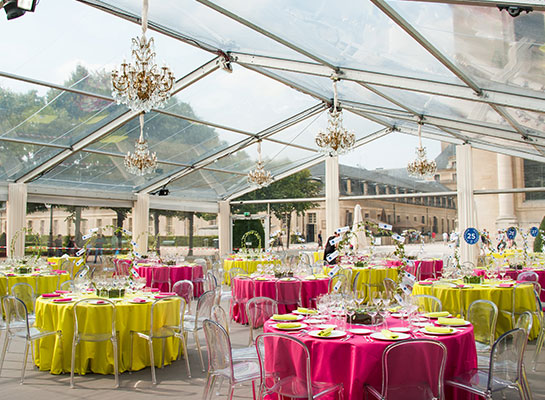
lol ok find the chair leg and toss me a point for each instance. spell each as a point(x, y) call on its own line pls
point(25, 357)
point(183, 345)
point(198, 344)
point(73, 363)
point(524, 388)
point(4, 350)
point(231, 390)
point(539, 346)
point(130, 351)
point(163, 352)
point(116, 362)
point(152, 361)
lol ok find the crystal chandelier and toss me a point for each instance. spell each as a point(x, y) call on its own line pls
point(336, 140)
point(142, 85)
point(421, 167)
point(141, 162)
point(259, 176)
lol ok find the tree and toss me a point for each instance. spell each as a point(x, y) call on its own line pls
point(121, 214)
point(538, 242)
point(294, 186)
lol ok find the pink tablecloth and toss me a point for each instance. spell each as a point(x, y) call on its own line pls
point(240, 288)
point(428, 268)
point(177, 273)
point(356, 362)
point(513, 274)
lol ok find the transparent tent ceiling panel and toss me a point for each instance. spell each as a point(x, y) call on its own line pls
point(18, 158)
point(489, 45)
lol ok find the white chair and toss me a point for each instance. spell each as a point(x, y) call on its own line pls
point(483, 315)
point(245, 353)
point(193, 324)
point(427, 303)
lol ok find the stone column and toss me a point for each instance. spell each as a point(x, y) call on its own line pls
point(333, 218)
point(506, 201)
point(16, 219)
point(466, 204)
point(224, 227)
point(140, 222)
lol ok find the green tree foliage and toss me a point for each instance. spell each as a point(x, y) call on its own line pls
point(294, 186)
point(241, 226)
point(538, 242)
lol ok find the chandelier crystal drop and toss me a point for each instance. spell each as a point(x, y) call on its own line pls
point(141, 162)
point(259, 177)
point(141, 84)
point(421, 166)
point(336, 139)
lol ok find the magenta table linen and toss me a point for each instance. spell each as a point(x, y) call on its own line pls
point(177, 273)
point(514, 273)
point(427, 267)
point(240, 289)
point(357, 362)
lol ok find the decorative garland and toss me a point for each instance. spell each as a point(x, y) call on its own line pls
point(243, 240)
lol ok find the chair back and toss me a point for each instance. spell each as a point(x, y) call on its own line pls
point(355, 282)
point(160, 275)
point(338, 284)
point(389, 287)
point(210, 282)
point(506, 358)
point(184, 289)
point(204, 306)
point(219, 347)
point(83, 272)
point(288, 376)
point(220, 316)
point(428, 303)
point(169, 319)
point(123, 267)
point(244, 290)
point(318, 268)
point(288, 291)
point(525, 321)
point(483, 315)
point(233, 272)
point(528, 276)
point(68, 285)
point(424, 380)
point(259, 310)
point(102, 310)
point(24, 292)
point(15, 314)
point(202, 263)
point(68, 266)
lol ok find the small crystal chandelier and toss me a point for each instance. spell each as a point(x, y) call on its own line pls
point(142, 85)
point(421, 167)
point(259, 176)
point(141, 162)
point(336, 140)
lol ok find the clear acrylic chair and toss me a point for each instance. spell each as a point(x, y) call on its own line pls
point(355, 282)
point(423, 381)
point(288, 292)
point(244, 353)
point(389, 287)
point(525, 321)
point(516, 309)
point(25, 292)
point(528, 276)
point(193, 323)
point(161, 331)
point(161, 276)
point(338, 284)
point(318, 268)
point(541, 335)
point(288, 373)
point(221, 363)
point(68, 266)
point(210, 282)
point(436, 286)
point(123, 267)
point(67, 285)
point(233, 272)
point(428, 303)
point(243, 291)
point(483, 315)
point(184, 289)
point(198, 275)
point(18, 325)
point(103, 332)
point(505, 369)
point(258, 311)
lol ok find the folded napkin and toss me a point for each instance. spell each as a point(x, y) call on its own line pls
point(325, 332)
point(138, 300)
point(60, 271)
point(438, 329)
point(288, 325)
point(320, 276)
point(425, 283)
point(160, 296)
point(505, 285)
point(65, 299)
point(100, 302)
point(451, 321)
point(168, 294)
point(285, 317)
point(310, 278)
point(10, 274)
point(306, 310)
point(151, 290)
point(51, 295)
point(394, 309)
point(436, 314)
point(389, 334)
point(261, 278)
point(62, 291)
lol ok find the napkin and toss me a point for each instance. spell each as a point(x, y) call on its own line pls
point(168, 294)
point(51, 295)
point(425, 283)
point(310, 278)
point(288, 325)
point(325, 332)
point(394, 309)
point(160, 296)
point(10, 274)
point(62, 300)
point(320, 276)
point(437, 314)
point(62, 291)
point(138, 300)
point(389, 334)
point(451, 321)
point(438, 329)
point(100, 302)
point(306, 310)
point(261, 278)
point(60, 271)
point(151, 290)
point(285, 317)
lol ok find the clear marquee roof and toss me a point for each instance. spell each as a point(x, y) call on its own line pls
point(471, 72)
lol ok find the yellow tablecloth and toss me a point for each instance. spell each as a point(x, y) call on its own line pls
point(454, 299)
point(318, 256)
point(58, 260)
point(40, 283)
point(98, 357)
point(249, 266)
point(368, 276)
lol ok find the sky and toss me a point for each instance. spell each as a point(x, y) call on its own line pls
point(48, 44)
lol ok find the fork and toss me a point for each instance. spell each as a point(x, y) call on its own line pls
point(344, 339)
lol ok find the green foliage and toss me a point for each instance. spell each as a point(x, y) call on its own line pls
point(538, 242)
point(241, 226)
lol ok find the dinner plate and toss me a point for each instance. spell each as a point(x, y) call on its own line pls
point(313, 321)
point(400, 329)
point(299, 318)
point(139, 302)
point(325, 326)
point(334, 334)
point(399, 315)
point(380, 336)
point(422, 324)
point(360, 331)
point(424, 331)
point(302, 326)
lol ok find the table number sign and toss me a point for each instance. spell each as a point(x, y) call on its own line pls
point(343, 229)
point(471, 236)
point(388, 227)
point(334, 270)
point(534, 231)
point(511, 233)
point(333, 242)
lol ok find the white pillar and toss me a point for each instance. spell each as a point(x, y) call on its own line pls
point(332, 214)
point(224, 227)
point(140, 222)
point(268, 228)
point(466, 204)
point(16, 219)
point(506, 201)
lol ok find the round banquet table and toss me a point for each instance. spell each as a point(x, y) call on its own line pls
point(371, 275)
point(250, 266)
point(177, 273)
point(356, 361)
point(453, 299)
point(41, 283)
point(264, 287)
point(514, 273)
point(98, 357)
